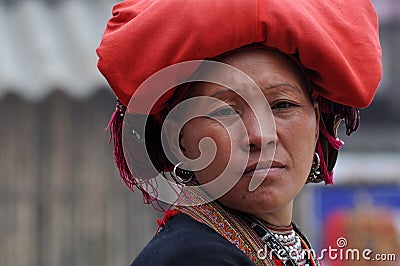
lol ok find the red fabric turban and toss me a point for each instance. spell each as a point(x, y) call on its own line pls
point(336, 42)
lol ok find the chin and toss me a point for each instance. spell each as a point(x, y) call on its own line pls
point(263, 199)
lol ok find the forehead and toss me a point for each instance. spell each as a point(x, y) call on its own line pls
point(262, 67)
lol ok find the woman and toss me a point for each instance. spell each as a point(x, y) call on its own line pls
point(241, 132)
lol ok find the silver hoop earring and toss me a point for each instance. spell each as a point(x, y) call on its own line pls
point(315, 173)
point(182, 176)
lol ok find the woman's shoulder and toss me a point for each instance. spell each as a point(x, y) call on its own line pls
point(184, 241)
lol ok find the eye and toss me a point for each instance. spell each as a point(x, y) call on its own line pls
point(282, 105)
point(224, 111)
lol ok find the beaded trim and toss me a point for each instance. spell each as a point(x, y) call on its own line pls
point(233, 226)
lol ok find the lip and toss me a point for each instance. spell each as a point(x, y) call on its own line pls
point(263, 167)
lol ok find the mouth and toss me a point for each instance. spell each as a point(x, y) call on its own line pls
point(263, 168)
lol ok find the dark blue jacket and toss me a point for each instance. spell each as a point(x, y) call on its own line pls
point(184, 241)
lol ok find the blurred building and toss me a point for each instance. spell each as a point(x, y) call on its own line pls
point(60, 199)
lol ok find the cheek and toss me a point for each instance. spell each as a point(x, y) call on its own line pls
point(193, 133)
point(298, 138)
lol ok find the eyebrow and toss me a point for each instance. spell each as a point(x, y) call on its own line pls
point(283, 84)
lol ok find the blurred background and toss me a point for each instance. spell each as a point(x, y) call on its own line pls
point(61, 199)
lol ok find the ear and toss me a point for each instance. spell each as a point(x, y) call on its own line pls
point(317, 118)
point(173, 138)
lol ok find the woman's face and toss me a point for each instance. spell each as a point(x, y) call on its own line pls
point(294, 140)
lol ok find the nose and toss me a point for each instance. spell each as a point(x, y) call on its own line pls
point(260, 127)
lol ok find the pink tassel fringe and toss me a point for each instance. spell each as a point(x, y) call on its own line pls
point(336, 143)
point(328, 177)
point(115, 128)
